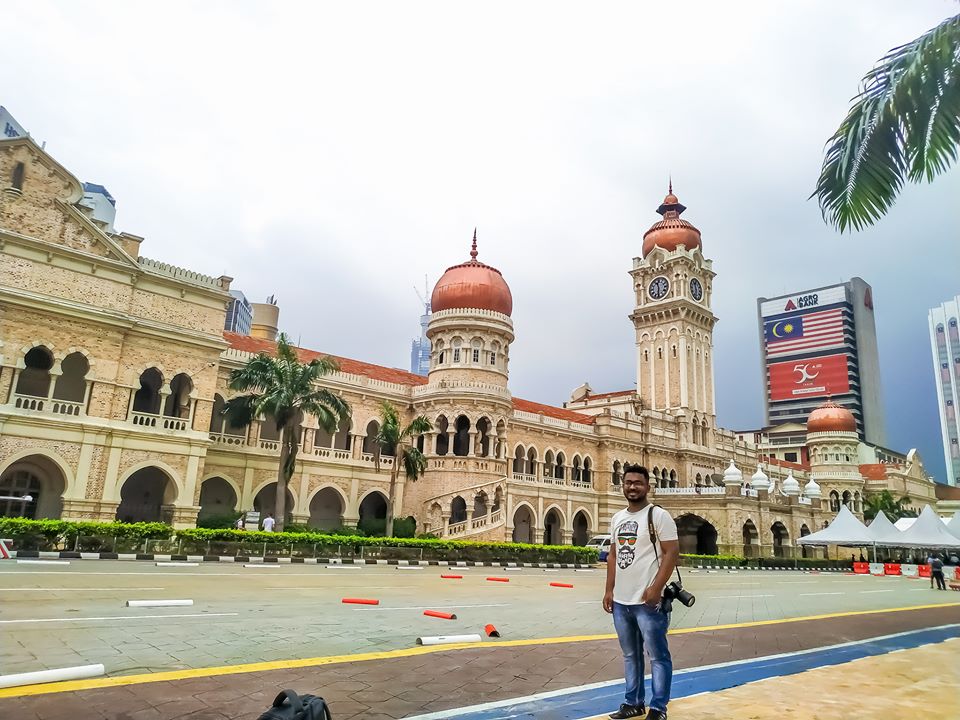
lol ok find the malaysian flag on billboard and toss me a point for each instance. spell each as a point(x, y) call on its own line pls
point(804, 333)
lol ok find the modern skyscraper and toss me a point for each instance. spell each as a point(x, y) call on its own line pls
point(420, 347)
point(945, 342)
point(239, 314)
point(822, 343)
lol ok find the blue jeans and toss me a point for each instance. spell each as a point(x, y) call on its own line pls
point(640, 626)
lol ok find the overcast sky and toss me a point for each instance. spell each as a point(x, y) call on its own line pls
point(335, 154)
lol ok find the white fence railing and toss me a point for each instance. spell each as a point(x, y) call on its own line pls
point(691, 491)
point(157, 422)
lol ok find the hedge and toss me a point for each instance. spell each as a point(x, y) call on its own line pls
point(124, 537)
point(714, 559)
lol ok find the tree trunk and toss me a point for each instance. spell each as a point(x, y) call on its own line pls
point(288, 460)
point(388, 528)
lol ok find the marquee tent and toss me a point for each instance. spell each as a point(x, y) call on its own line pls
point(954, 524)
point(928, 532)
point(906, 522)
point(883, 531)
point(844, 530)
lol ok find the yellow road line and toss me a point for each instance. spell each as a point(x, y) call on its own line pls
point(122, 680)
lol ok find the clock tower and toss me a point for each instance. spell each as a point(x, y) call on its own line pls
point(673, 284)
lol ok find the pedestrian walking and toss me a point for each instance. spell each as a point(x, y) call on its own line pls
point(239, 523)
point(936, 573)
point(637, 572)
point(268, 523)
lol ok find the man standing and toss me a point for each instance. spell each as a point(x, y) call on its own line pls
point(637, 571)
point(936, 572)
point(268, 523)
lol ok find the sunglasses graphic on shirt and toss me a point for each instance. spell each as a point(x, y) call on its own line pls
point(630, 540)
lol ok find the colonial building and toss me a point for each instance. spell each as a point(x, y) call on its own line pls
point(114, 368)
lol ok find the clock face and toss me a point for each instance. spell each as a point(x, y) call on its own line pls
point(696, 290)
point(658, 288)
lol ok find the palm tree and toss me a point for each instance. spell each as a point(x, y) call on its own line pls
point(874, 503)
point(394, 439)
point(903, 125)
point(284, 389)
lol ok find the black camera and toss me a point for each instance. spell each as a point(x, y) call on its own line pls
point(674, 591)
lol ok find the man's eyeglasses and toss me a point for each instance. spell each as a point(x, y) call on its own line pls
point(634, 482)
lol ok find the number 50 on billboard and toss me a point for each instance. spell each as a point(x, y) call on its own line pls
point(814, 377)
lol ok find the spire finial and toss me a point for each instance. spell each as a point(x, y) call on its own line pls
point(670, 184)
point(473, 248)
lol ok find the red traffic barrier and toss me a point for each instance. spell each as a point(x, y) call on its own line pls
point(861, 568)
point(498, 579)
point(438, 614)
point(891, 568)
point(359, 601)
point(564, 585)
point(491, 631)
point(452, 577)
point(923, 571)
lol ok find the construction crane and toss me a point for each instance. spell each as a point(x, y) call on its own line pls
point(423, 298)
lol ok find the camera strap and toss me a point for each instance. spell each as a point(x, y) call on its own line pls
point(655, 540)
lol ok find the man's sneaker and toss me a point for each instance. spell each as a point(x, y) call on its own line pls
point(657, 715)
point(628, 711)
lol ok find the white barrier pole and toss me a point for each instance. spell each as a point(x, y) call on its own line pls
point(78, 672)
point(447, 639)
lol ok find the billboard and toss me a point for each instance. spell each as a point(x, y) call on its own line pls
point(814, 377)
point(803, 302)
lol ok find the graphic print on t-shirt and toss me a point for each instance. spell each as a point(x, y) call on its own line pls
point(626, 541)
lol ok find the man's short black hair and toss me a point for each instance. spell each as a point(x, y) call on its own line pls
point(639, 469)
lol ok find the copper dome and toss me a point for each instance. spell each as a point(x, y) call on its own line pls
point(472, 285)
point(671, 232)
point(831, 417)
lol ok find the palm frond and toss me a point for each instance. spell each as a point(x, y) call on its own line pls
point(414, 463)
point(419, 426)
point(242, 410)
point(903, 125)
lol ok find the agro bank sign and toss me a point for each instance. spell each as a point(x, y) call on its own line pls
point(803, 302)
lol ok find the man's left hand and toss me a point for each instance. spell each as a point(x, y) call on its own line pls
point(651, 596)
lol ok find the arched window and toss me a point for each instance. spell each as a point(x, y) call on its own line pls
point(559, 471)
point(16, 180)
point(461, 440)
point(617, 472)
point(456, 350)
point(531, 461)
point(587, 470)
point(548, 463)
point(577, 472)
point(147, 398)
point(34, 379)
point(519, 460)
point(443, 439)
point(178, 402)
point(834, 501)
point(476, 345)
point(72, 383)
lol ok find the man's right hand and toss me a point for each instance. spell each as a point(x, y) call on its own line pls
point(608, 602)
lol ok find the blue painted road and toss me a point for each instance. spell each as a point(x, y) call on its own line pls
point(592, 700)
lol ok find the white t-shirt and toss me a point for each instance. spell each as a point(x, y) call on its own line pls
point(268, 524)
point(636, 562)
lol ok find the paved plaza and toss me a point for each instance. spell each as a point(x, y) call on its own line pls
point(286, 626)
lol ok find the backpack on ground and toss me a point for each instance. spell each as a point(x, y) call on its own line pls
point(290, 706)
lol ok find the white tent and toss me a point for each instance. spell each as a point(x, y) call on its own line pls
point(844, 530)
point(904, 523)
point(883, 531)
point(928, 532)
point(954, 525)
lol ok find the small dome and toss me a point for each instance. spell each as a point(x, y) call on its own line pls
point(472, 285)
point(831, 417)
point(732, 475)
point(671, 232)
point(760, 481)
point(790, 484)
point(811, 489)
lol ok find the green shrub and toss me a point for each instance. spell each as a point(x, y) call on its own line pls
point(693, 559)
point(219, 521)
point(405, 527)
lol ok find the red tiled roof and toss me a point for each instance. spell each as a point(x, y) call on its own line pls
point(874, 471)
point(249, 344)
point(785, 463)
point(554, 412)
point(354, 367)
point(603, 396)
